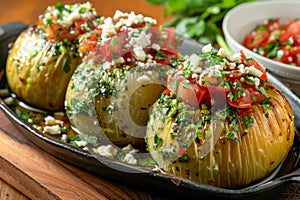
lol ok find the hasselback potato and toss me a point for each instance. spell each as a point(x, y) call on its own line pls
point(43, 58)
point(219, 122)
point(116, 84)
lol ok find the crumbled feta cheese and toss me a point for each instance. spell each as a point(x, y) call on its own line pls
point(236, 57)
point(156, 46)
point(108, 28)
point(8, 100)
point(232, 65)
point(223, 53)
point(143, 39)
point(194, 61)
point(150, 20)
point(129, 158)
point(52, 130)
point(134, 19)
point(214, 71)
point(107, 151)
point(118, 14)
point(139, 53)
point(129, 149)
point(81, 143)
point(64, 137)
point(70, 13)
point(207, 48)
point(253, 71)
point(255, 80)
point(241, 67)
point(49, 120)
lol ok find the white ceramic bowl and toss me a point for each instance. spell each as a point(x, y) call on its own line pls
point(243, 19)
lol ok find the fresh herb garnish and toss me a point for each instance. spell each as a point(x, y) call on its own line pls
point(200, 20)
point(157, 141)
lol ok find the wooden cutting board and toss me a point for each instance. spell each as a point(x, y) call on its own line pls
point(39, 175)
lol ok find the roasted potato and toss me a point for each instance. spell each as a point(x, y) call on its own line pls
point(38, 71)
point(119, 79)
point(43, 58)
point(222, 123)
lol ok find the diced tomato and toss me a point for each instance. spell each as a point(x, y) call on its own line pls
point(78, 26)
point(251, 96)
point(256, 39)
point(167, 91)
point(89, 41)
point(274, 36)
point(294, 28)
point(272, 24)
point(242, 102)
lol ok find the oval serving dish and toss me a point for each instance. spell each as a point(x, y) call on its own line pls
point(147, 178)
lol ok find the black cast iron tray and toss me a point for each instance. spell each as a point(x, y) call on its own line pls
point(147, 179)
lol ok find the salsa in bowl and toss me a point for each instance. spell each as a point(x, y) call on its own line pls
point(245, 18)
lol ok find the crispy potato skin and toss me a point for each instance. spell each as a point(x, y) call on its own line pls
point(35, 74)
point(232, 164)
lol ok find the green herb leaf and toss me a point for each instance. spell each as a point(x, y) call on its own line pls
point(66, 65)
point(157, 141)
point(232, 136)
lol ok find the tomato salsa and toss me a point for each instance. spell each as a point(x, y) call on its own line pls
point(68, 21)
point(276, 40)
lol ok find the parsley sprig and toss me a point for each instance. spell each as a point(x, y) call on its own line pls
point(199, 20)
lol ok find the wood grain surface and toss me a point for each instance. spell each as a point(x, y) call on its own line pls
point(28, 172)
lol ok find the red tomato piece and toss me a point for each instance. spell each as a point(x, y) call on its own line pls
point(257, 65)
point(256, 39)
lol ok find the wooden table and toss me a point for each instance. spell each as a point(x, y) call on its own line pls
point(28, 172)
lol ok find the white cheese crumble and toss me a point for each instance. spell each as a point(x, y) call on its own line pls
point(8, 100)
point(223, 53)
point(155, 46)
point(52, 130)
point(69, 13)
point(194, 62)
point(108, 29)
point(139, 53)
point(253, 71)
point(236, 57)
point(129, 149)
point(207, 48)
point(142, 40)
point(107, 151)
point(49, 120)
point(255, 80)
point(129, 158)
point(81, 143)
